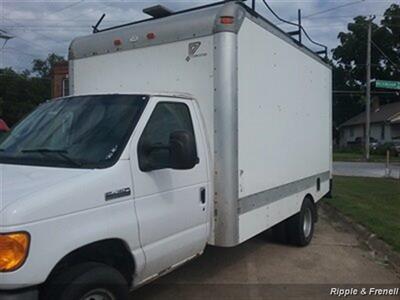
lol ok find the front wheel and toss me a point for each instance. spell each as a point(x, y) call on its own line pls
point(88, 281)
point(301, 226)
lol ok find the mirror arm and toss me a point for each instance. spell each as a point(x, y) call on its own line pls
point(160, 147)
point(151, 148)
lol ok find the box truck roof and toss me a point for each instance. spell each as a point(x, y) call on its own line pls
point(197, 22)
point(180, 95)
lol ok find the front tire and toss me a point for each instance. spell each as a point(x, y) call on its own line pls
point(301, 226)
point(88, 281)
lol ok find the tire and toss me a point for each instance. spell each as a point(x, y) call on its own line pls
point(300, 227)
point(87, 281)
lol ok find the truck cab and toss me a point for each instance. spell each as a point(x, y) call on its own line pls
point(70, 173)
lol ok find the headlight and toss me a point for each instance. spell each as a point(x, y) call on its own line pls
point(13, 250)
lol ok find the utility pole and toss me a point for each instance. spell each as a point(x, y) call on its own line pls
point(299, 20)
point(368, 96)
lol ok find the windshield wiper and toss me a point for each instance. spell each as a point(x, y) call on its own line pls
point(62, 153)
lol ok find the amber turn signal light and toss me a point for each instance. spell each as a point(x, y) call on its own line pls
point(13, 250)
point(227, 20)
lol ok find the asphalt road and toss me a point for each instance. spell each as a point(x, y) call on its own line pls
point(364, 169)
point(263, 269)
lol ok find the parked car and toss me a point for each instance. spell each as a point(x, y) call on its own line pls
point(396, 146)
point(360, 141)
point(3, 128)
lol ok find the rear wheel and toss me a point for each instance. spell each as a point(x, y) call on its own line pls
point(300, 227)
point(88, 281)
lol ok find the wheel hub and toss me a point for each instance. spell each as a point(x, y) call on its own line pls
point(307, 222)
point(99, 294)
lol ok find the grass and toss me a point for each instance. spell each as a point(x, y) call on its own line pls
point(372, 202)
point(348, 156)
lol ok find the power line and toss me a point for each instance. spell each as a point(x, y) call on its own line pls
point(30, 42)
point(300, 29)
point(16, 50)
point(349, 16)
point(333, 8)
point(330, 9)
point(39, 33)
point(25, 26)
point(68, 6)
point(384, 54)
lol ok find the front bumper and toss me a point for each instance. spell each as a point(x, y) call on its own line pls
point(24, 294)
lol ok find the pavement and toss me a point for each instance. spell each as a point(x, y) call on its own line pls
point(263, 269)
point(365, 169)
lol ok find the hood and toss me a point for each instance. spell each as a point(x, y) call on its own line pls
point(17, 182)
point(29, 194)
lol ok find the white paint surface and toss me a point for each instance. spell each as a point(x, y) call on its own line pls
point(284, 112)
point(154, 69)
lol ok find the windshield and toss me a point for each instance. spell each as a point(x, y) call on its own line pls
point(78, 132)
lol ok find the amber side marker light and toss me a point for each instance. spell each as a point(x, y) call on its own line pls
point(227, 20)
point(14, 249)
point(151, 36)
point(117, 42)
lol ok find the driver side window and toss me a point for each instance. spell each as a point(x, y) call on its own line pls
point(153, 147)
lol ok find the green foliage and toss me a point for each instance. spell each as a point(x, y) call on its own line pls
point(21, 93)
point(44, 67)
point(373, 202)
point(349, 61)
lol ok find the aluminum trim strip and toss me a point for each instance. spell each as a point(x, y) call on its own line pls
point(270, 196)
point(226, 139)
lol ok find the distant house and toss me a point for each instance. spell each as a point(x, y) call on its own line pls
point(59, 80)
point(385, 124)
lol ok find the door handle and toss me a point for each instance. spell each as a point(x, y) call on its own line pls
point(203, 195)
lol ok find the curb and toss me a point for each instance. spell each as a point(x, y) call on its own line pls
point(379, 249)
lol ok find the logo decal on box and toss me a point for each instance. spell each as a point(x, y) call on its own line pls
point(193, 48)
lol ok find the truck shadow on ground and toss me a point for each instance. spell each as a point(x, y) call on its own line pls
point(219, 273)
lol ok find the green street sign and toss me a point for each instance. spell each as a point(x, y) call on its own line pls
point(386, 84)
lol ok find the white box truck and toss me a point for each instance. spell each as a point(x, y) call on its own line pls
point(203, 127)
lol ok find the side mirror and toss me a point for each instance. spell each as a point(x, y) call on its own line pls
point(182, 150)
point(151, 156)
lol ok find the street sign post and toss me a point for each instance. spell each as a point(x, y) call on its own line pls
point(386, 84)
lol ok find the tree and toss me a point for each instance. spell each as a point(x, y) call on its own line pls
point(20, 94)
point(44, 67)
point(391, 21)
point(349, 61)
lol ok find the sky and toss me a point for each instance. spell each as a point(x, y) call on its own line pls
point(43, 27)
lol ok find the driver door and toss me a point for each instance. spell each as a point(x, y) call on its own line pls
point(171, 205)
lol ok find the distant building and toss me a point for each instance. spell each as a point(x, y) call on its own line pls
point(59, 80)
point(385, 124)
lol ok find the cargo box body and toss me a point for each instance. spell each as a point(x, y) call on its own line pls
point(265, 101)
